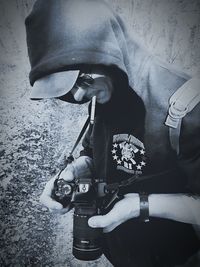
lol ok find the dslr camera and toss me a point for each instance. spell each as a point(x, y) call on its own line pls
point(87, 196)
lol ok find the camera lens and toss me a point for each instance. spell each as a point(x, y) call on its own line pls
point(87, 240)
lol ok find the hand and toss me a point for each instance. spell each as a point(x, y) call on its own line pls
point(46, 197)
point(81, 167)
point(125, 209)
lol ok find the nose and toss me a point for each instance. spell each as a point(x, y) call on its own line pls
point(79, 93)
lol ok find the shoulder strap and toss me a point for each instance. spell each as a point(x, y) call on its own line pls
point(181, 103)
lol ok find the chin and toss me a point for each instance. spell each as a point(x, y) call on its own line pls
point(103, 99)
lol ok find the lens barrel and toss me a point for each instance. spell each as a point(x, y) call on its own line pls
point(87, 240)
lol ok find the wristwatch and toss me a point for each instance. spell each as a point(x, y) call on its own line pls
point(144, 207)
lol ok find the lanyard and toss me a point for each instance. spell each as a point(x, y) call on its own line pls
point(70, 157)
point(90, 120)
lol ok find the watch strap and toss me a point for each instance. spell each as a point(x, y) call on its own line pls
point(144, 207)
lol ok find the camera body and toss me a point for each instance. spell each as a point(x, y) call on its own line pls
point(84, 195)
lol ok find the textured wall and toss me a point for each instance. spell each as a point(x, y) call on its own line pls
point(169, 29)
point(34, 134)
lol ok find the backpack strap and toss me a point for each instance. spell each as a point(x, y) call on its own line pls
point(181, 102)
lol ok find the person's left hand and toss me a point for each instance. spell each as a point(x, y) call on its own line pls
point(125, 209)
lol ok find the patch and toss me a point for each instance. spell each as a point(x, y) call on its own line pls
point(128, 153)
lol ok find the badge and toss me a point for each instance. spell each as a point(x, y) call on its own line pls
point(128, 153)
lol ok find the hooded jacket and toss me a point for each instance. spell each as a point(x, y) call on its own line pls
point(66, 34)
point(70, 34)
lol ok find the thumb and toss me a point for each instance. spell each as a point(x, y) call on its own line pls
point(67, 174)
point(50, 203)
point(100, 221)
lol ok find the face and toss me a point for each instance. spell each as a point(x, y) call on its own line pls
point(89, 85)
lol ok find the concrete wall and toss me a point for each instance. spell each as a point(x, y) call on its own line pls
point(35, 134)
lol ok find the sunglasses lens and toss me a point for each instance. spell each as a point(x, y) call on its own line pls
point(84, 80)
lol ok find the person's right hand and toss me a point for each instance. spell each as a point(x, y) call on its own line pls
point(81, 167)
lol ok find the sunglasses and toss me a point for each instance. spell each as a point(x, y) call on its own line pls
point(85, 80)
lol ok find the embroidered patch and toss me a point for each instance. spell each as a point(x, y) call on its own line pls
point(128, 152)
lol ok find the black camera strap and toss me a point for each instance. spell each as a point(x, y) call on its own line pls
point(70, 157)
point(90, 120)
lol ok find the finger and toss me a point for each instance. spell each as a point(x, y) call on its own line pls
point(101, 221)
point(111, 227)
point(112, 217)
point(98, 222)
point(50, 203)
point(64, 210)
point(49, 187)
point(67, 174)
point(59, 211)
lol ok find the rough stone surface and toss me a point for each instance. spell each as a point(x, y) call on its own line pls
point(34, 135)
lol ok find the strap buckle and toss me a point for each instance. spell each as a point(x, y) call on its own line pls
point(176, 113)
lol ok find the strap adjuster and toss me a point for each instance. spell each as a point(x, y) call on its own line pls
point(175, 115)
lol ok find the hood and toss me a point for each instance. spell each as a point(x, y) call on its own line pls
point(66, 34)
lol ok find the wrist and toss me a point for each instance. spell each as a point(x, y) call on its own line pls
point(157, 207)
point(163, 205)
point(132, 205)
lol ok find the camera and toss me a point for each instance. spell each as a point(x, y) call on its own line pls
point(83, 194)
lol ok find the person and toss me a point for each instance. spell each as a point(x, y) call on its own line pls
point(80, 49)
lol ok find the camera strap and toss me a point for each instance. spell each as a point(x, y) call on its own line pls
point(90, 120)
point(70, 157)
point(135, 179)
